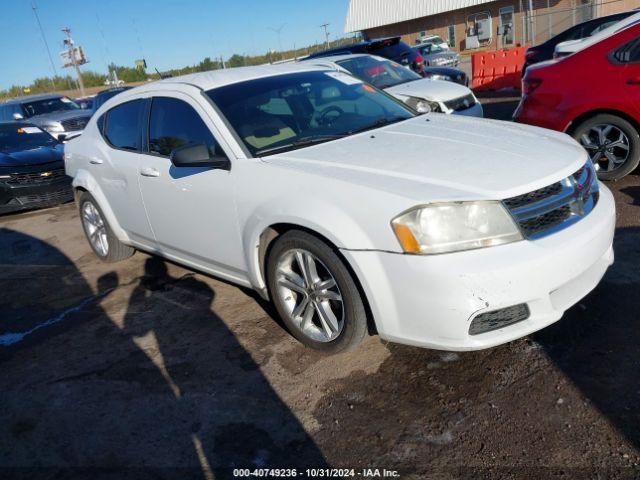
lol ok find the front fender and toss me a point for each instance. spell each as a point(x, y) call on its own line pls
point(324, 218)
point(85, 180)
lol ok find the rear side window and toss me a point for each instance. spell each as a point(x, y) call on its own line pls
point(174, 123)
point(628, 53)
point(122, 129)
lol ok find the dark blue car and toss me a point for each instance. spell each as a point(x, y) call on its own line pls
point(31, 169)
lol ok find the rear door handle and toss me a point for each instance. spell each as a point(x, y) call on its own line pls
point(95, 161)
point(149, 172)
point(634, 81)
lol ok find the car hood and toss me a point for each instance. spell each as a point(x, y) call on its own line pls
point(59, 116)
point(428, 89)
point(439, 157)
point(36, 156)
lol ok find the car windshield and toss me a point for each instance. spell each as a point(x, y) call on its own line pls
point(286, 112)
point(15, 138)
point(430, 49)
point(49, 105)
point(378, 72)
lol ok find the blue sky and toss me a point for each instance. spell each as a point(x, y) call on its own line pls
point(169, 33)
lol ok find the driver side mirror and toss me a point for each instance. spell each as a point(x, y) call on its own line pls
point(18, 116)
point(198, 155)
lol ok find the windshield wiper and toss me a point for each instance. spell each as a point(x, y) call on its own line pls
point(301, 142)
point(381, 122)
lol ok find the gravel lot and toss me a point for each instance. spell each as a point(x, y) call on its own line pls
point(145, 369)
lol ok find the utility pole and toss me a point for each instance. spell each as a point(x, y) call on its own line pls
point(69, 43)
point(46, 45)
point(326, 32)
point(278, 31)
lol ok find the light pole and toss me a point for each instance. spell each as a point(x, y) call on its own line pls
point(326, 32)
point(72, 54)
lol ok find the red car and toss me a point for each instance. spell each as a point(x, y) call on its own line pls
point(594, 96)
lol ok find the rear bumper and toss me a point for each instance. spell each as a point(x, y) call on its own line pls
point(533, 112)
point(430, 301)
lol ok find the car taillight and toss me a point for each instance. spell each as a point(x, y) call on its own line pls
point(419, 59)
point(530, 54)
point(530, 85)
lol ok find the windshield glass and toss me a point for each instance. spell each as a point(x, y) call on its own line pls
point(378, 72)
point(291, 111)
point(15, 138)
point(41, 107)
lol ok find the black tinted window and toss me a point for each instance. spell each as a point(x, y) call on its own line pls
point(175, 123)
point(628, 53)
point(123, 125)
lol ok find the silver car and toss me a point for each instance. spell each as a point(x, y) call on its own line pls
point(436, 56)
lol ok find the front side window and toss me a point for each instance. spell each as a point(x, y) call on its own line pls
point(122, 125)
point(49, 105)
point(322, 106)
point(378, 72)
point(174, 123)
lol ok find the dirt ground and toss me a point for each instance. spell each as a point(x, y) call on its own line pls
point(145, 369)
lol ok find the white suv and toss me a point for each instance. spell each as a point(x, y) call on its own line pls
point(345, 208)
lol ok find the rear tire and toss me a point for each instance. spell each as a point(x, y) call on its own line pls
point(315, 294)
point(612, 143)
point(101, 238)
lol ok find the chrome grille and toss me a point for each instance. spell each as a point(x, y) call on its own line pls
point(556, 206)
point(77, 123)
point(461, 103)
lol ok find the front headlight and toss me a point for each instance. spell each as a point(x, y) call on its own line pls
point(422, 105)
point(455, 226)
point(53, 127)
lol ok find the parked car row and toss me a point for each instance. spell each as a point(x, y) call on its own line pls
point(600, 110)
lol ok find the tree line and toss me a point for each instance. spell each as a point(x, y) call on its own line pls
point(138, 74)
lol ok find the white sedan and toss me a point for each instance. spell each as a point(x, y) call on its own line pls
point(422, 94)
point(345, 208)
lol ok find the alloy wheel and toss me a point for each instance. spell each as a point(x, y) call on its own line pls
point(310, 294)
point(95, 228)
point(607, 145)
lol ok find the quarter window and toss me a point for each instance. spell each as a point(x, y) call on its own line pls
point(628, 53)
point(174, 123)
point(123, 123)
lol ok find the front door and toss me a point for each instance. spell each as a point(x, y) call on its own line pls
point(191, 209)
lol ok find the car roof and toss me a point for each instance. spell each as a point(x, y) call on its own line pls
point(220, 78)
point(574, 46)
point(352, 46)
point(338, 58)
point(31, 98)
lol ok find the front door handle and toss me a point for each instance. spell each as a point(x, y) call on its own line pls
point(149, 172)
point(95, 161)
point(634, 81)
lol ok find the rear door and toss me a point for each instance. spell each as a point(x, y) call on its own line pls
point(115, 166)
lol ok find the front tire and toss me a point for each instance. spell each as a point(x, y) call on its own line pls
point(612, 143)
point(101, 238)
point(315, 294)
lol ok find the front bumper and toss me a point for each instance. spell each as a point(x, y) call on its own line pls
point(36, 194)
point(430, 301)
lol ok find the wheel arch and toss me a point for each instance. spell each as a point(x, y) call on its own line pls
point(275, 230)
point(583, 117)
